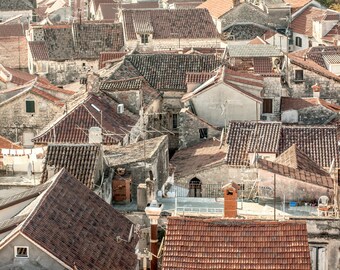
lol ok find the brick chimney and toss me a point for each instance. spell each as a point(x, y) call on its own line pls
point(230, 200)
point(316, 90)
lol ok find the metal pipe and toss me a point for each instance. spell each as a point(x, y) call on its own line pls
point(154, 246)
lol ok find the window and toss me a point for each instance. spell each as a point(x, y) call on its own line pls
point(21, 252)
point(203, 133)
point(174, 121)
point(144, 38)
point(318, 257)
point(298, 41)
point(299, 75)
point(30, 106)
point(267, 105)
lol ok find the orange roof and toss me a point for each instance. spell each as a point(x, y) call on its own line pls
point(217, 8)
point(303, 24)
point(5, 143)
point(257, 40)
point(297, 4)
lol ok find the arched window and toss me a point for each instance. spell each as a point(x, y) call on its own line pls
point(195, 188)
point(298, 41)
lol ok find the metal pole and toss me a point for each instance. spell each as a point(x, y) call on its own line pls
point(275, 196)
point(154, 246)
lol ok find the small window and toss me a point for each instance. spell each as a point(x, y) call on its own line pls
point(299, 75)
point(30, 106)
point(267, 105)
point(145, 38)
point(21, 252)
point(203, 133)
point(298, 41)
point(318, 257)
point(174, 121)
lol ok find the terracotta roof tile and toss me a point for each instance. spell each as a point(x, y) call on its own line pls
point(9, 30)
point(73, 127)
point(298, 174)
point(235, 244)
point(87, 236)
point(288, 103)
point(198, 77)
point(297, 4)
point(333, 34)
point(169, 23)
point(293, 157)
point(106, 57)
point(303, 23)
point(317, 142)
point(195, 158)
point(217, 8)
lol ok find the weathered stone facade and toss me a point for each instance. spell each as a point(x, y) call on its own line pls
point(189, 129)
point(330, 89)
point(15, 120)
point(13, 52)
point(273, 89)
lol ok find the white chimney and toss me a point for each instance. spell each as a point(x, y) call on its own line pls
point(95, 135)
point(316, 90)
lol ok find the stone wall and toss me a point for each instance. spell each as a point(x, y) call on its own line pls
point(173, 44)
point(330, 89)
point(189, 126)
point(14, 119)
point(325, 233)
point(273, 89)
point(13, 52)
point(61, 73)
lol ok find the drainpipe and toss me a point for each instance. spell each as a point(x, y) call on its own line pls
point(153, 211)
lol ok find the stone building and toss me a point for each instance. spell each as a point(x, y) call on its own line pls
point(64, 53)
point(13, 45)
point(28, 108)
point(317, 65)
point(140, 160)
point(168, 29)
point(21, 8)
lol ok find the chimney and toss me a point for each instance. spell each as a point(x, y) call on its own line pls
point(335, 42)
point(50, 170)
point(230, 200)
point(316, 90)
point(95, 135)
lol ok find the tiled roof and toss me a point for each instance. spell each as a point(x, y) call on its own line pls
point(165, 71)
point(23, 196)
point(238, 137)
point(109, 11)
point(78, 41)
point(217, 8)
point(265, 137)
point(15, 5)
point(263, 65)
point(125, 84)
point(198, 77)
point(5, 143)
point(87, 236)
point(260, 50)
point(257, 40)
point(197, 157)
point(303, 23)
point(293, 157)
point(73, 126)
point(235, 244)
point(302, 175)
point(39, 50)
point(109, 56)
point(10, 30)
point(333, 33)
point(21, 77)
point(311, 59)
point(297, 4)
point(169, 23)
point(79, 160)
point(317, 142)
point(141, 5)
point(288, 103)
point(331, 58)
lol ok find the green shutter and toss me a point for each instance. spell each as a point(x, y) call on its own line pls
point(30, 108)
